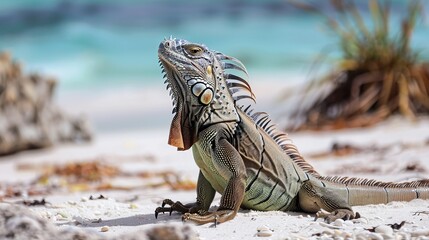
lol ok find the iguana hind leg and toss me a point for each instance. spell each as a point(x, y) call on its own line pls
point(327, 204)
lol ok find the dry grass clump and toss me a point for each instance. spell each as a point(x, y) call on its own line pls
point(379, 74)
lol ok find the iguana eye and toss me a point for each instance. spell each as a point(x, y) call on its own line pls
point(194, 50)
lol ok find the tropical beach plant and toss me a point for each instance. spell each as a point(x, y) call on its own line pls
point(379, 74)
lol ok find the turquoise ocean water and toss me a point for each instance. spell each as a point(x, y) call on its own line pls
point(103, 44)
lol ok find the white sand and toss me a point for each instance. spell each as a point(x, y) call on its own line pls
point(147, 150)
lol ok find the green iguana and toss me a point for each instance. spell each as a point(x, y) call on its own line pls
point(242, 155)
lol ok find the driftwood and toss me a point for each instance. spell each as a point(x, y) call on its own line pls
point(29, 119)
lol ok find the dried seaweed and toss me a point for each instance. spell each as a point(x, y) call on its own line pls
point(91, 176)
point(101, 197)
point(32, 203)
point(397, 226)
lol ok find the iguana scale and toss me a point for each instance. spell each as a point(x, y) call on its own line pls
point(242, 155)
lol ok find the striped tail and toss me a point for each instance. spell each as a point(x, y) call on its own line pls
point(361, 191)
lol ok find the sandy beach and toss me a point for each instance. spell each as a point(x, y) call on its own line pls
point(150, 171)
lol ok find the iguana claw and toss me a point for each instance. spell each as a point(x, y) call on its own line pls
point(345, 214)
point(178, 207)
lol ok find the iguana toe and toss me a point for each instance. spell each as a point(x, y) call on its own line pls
point(345, 214)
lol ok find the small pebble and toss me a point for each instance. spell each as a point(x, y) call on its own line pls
point(338, 222)
point(63, 215)
point(384, 229)
point(325, 237)
point(323, 224)
point(360, 220)
point(262, 228)
point(48, 214)
point(84, 199)
point(133, 206)
point(420, 233)
point(346, 235)
point(328, 232)
point(375, 236)
point(387, 236)
point(264, 231)
point(104, 228)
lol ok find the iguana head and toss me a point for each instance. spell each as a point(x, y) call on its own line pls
point(203, 93)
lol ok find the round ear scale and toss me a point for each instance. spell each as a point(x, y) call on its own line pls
point(209, 70)
point(207, 96)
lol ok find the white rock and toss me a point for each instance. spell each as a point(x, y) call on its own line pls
point(84, 199)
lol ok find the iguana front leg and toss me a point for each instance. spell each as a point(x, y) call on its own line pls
point(327, 204)
point(230, 166)
point(205, 195)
